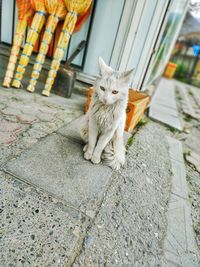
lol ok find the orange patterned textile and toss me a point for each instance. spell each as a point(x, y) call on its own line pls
point(33, 33)
point(74, 8)
point(81, 19)
point(25, 13)
point(57, 11)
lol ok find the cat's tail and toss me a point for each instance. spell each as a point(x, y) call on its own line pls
point(114, 155)
point(83, 128)
point(79, 129)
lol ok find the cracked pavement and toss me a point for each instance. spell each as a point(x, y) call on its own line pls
point(58, 209)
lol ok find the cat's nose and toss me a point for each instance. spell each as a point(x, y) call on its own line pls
point(105, 101)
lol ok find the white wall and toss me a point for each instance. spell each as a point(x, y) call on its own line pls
point(123, 32)
point(7, 21)
point(103, 33)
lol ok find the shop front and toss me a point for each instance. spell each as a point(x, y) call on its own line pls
point(127, 34)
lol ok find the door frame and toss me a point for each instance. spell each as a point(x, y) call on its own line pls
point(157, 45)
point(131, 17)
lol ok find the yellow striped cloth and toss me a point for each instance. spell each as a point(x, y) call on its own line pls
point(33, 33)
point(57, 11)
point(74, 8)
point(25, 12)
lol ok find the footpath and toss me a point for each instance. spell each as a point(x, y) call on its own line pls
point(58, 209)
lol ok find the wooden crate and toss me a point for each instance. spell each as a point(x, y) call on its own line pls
point(137, 105)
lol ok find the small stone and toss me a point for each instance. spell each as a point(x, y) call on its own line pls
point(149, 181)
point(88, 240)
point(186, 130)
point(90, 213)
point(76, 231)
point(156, 235)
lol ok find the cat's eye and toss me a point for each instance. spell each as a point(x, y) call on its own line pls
point(115, 92)
point(102, 88)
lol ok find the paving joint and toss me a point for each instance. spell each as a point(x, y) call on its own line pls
point(178, 195)
point(50, 194)
point(37, 187)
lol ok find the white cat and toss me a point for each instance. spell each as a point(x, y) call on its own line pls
point(106, 117)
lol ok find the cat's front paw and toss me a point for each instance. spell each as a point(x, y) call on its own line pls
point(115, 165)
point(96, 159)
point(88, 155)
point(85, 148)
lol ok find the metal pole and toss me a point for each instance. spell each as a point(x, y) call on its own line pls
point(0, 17)
point(194, 65)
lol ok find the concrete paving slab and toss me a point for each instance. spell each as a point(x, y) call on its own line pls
point(164, 117)
point(179, 246)
point(72, 130)
point(35, 116)
point(196, 95)
point(165, 97)
point(165, 109)
point(179, 187)
point(35, 230)
point(163, 106)
point(194, 159)
point(57, 166)
point(161, 101)
point(188, 101)
point(175, 150)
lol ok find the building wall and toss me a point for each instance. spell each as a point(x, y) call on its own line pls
point(132, 36)
point(126, 33)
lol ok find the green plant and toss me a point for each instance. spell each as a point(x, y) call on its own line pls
point(187, 117)
point(130, 141)
point(142, 122)
point(190, 93)
point(179, 98)
point(172, 129)
point(185, 154)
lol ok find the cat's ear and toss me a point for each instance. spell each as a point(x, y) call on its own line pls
point(127, 76)
point(104, 69)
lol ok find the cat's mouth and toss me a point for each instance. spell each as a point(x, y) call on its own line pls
point(105, 102)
